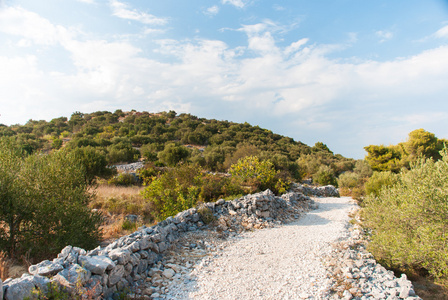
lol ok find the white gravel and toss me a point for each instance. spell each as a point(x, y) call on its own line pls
point(275, 263)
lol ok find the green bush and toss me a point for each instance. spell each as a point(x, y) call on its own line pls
point(124, 179)
point(409, 220)
point(94, 162)
point(378, 181)
point(325, 176)
point(173, 154)
point(174, 191)
point(44, 203)
point(258, 175)
point(348, 180)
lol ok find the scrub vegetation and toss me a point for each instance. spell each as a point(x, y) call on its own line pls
point(58, 183)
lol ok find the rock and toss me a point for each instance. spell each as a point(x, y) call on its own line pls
point(168, 273)
point(70, 277)
point(65, 252)
point(131, 218)
point(94, 286)
point(346, 295)
point(116, 275)
point(120, 255)
point(40, 282)
point(220, 202)
point(45, 268)
point(96, 264)
point(134, 247)
point(19, 288)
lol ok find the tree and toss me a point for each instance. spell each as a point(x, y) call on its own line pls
point(383, 158)
point(421, 143)
point(173, 154)
point(94, 162)
point(319, 146)
point(43, 203)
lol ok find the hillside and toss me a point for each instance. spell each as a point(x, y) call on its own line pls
point(167, 138)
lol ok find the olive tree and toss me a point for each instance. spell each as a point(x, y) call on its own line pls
point(44, 203)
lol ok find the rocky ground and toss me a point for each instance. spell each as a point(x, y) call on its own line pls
point(320, 256)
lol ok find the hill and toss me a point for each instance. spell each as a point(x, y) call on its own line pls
point(166, 139)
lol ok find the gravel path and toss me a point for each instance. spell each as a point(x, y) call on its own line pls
point(276, 263)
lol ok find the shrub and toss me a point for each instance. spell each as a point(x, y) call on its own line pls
point(258, 175)
point(174, 191)
point(378, 181)
point(363, 169)
point(408, 220)
point(43, 203)
point(94, 162)
point(325, 176)
point(348, 180)
point(124, 179)
point(206, 214)
point(173, 154)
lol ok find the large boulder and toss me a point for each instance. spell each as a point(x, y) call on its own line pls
point(96, 264)
point(45, 268)
point(19, 288)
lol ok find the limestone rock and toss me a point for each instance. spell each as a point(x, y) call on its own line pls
point(168, 273)
point(45, 268)
point(71, 276)
point(96, 264)
point(19, 288)
point(120, 255)
point(116, 275)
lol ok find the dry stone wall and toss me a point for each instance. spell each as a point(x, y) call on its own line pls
point(124, 264)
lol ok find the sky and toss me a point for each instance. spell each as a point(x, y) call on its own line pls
point(347, 73)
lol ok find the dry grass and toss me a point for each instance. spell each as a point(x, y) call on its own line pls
point(107, 191)
point(116, 202)
point(5, 264)
point(10, 269)
point(121, 200)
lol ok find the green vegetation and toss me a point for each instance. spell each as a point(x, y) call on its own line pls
point(61, 163)
point(408, 220)
point(392, 158)
point(103, 138)
point(43, 203)
point(379, 181)
point(258, 175)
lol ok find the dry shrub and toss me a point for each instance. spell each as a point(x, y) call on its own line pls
point(5, 264)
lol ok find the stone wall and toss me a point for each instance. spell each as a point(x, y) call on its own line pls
point(125, 263)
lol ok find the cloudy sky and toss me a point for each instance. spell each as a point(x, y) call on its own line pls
point(348, 73)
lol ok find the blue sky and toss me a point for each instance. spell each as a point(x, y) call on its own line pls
point(348, 73)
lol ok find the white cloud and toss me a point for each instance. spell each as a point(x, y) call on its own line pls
point(29, 25)
point(294, 47)
point(295, 87)
point(278, 7)
point(442, 32)
point(212, 11)
point(87, 1)
point(384, 35)
point(123, 11)
point(236, 3)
